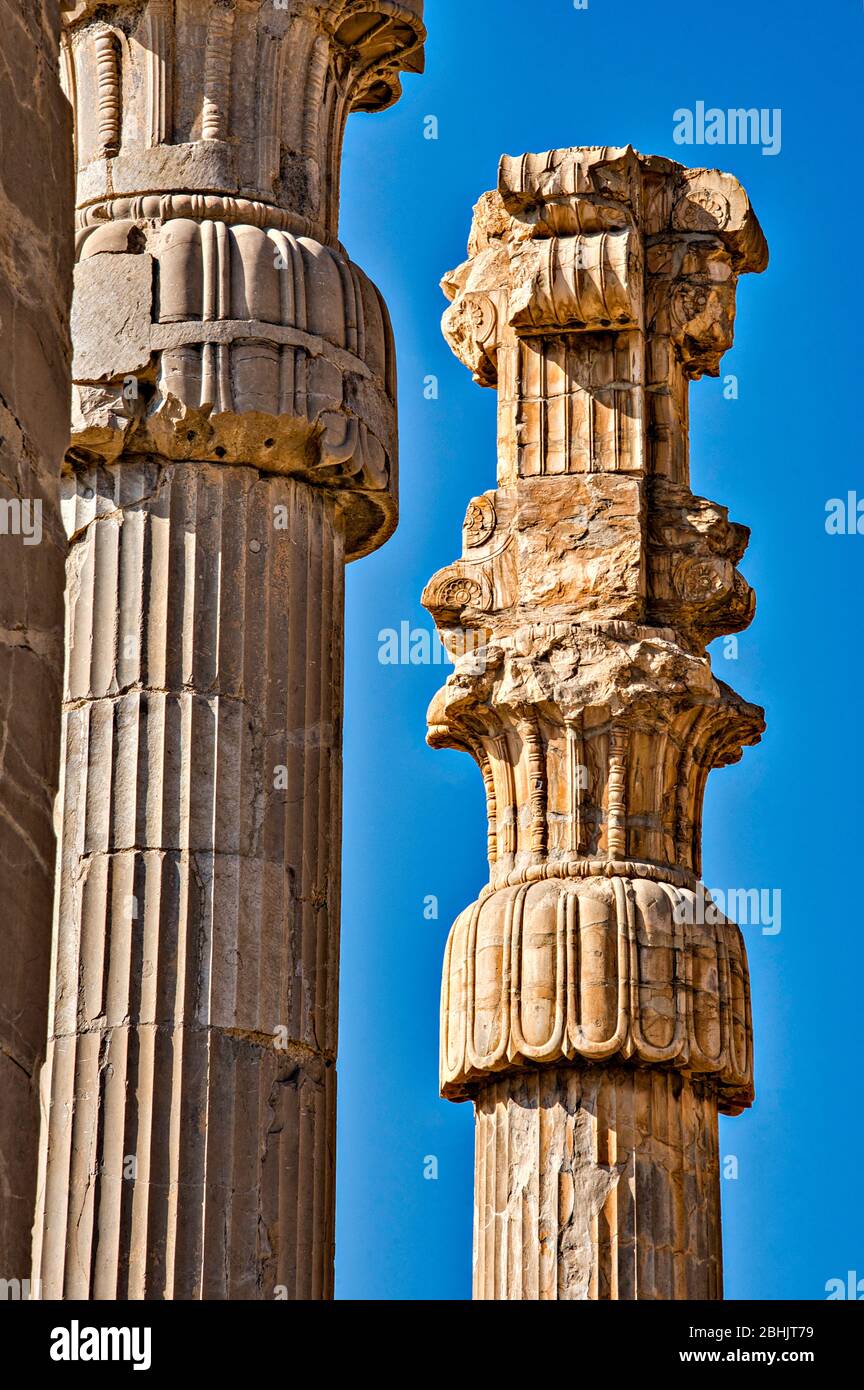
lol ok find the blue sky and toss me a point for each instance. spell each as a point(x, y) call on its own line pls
point(509, 77)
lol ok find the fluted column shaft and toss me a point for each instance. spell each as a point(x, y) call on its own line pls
point(596, 1183)
point(190, 1074)
point(234, 445)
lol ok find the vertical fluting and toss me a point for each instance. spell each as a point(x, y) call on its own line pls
point(222, 342)
point(217, 75)
point(596, 1183)
point(189, 1142)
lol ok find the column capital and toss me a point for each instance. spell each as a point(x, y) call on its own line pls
point(599, 283)
point(584, 240)
point(217, 317)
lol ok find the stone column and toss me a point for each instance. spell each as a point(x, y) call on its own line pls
point(595, 1005)
point(36, 208)
point(234, 445)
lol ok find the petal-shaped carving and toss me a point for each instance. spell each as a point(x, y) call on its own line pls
point(596, 969)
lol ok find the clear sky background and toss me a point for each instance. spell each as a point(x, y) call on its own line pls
point(510, 76)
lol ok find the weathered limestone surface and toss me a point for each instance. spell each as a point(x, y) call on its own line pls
point(234, 444)
point(595, 1005)
point(597, 1183)
point(36, 206)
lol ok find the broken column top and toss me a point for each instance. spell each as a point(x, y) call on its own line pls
point(600, 283)
point(639, 241)
point(601, 187)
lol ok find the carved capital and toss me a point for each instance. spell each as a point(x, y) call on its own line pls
point(242, 94)
point(599, 283)
point(216, 315)
point(602, 970)
point(584, 240)
point(595, 741)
